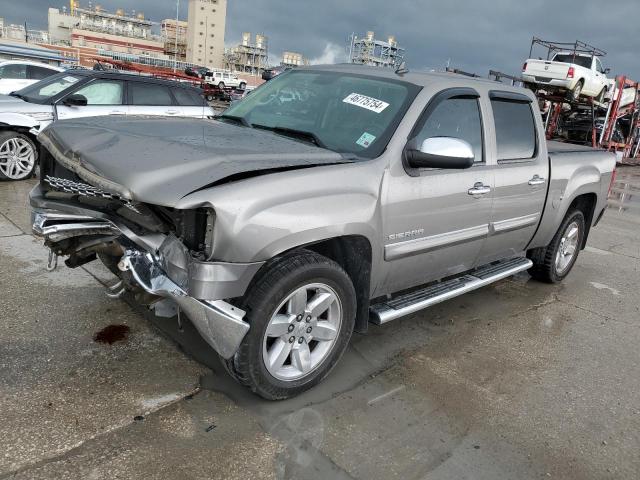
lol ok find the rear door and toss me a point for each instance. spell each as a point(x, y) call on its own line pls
point(104, 97)
point(521, 175)
point(437, 219)
point(152, 99)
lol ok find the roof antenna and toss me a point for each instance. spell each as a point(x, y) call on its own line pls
point(402, 69)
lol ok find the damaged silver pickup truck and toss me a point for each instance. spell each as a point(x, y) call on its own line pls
point(329, 198)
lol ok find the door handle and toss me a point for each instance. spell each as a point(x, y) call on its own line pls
point(117, 112)
point(172, 112)
point(536, 180)
point(479, 188)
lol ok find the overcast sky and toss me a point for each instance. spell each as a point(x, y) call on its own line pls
point(474, 35)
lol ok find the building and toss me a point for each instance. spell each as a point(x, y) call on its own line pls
point(293, 59)
point(25, 51)
point(175, 38)
point(205, 32)
point(248, 57)
point(370, 51)
point(20, 34)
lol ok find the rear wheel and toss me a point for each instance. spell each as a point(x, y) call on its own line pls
point(221, 85)
point(577, 91)
point(242, 85)
point(551, 264)
point(302, 313)
point(601, 96)
point(18, 156)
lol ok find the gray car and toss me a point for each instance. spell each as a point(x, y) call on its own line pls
point(282, 227)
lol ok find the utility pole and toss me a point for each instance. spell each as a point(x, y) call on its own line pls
point(26, 33)
point(175, 58)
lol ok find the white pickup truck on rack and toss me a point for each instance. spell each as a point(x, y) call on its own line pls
point(578, 73)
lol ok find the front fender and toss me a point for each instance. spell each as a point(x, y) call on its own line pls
point(11, 119)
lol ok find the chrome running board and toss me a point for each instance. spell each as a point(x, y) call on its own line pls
point(416, 300)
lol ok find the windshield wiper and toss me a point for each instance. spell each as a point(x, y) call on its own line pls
point(17, 95)
point(295, 133)
point(236, 118)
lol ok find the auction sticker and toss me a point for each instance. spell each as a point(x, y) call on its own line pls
point(365, 140)
point(363, 101)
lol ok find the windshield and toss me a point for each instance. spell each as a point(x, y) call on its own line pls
point(343, 112)
point(577, 60)
point(43, 90)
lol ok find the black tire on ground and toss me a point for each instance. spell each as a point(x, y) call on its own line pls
point(221, 85)
point(7, 135)
point(544, 266)
point(210, 98)
point(283, 276)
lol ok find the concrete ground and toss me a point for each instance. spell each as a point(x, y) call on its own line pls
point(517, 380)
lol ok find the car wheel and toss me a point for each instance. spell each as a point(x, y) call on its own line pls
point(221, 85)
point(210, 98)
point(551, 264)
point(242, 85)
point(18, 156)
point(302, 312)
point(577, 91)
point(601, 96)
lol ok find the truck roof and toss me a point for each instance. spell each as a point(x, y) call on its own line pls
point(422, 79)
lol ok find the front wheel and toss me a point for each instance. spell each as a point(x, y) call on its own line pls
point(577, 91)
point(221, 85)
point(302, 313)
point(18, 155)
point(551, 264)
point(242, 85)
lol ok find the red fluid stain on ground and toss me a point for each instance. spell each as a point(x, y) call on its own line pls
point(112, 334)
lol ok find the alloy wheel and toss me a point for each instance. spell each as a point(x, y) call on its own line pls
point(567, 248)
point(17, 158)
point(302, 332)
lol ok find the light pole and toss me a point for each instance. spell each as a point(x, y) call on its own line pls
point(175, 58)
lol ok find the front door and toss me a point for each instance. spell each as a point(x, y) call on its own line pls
point(104, 97)
point(521, 176)
point(436, 220)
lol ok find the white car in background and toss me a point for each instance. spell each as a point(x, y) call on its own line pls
point(578, 73)
point(17, 74)
point(84, 93)
point(225, 79)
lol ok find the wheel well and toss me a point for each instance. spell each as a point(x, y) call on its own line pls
point(586, 203)
point(23, 130)
point(353, 253)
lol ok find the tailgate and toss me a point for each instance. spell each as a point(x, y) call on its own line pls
point(547, 69)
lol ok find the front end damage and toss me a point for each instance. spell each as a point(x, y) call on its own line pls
point(163, 258)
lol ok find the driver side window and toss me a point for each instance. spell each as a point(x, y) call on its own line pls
point(457, 117)
point(103, 92)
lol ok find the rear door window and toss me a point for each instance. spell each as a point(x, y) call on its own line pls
point(188, 98)
point(515, 129)
point(149, 94)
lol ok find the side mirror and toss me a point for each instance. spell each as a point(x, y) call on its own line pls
point(75, 100)
point(607, 70)
point(441, 152)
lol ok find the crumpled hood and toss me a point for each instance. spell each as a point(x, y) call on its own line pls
point(159, 160)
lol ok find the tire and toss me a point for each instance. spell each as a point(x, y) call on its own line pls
point(550, 263)
point(210, 98)
point(242, 86)
point(577, 91)
point(305, 277)
point(18, 156)
point(221, 85)
point(601, 96)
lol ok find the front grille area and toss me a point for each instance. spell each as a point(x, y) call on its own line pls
point(84, 189)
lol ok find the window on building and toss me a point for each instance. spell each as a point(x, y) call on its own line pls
point(148, 94)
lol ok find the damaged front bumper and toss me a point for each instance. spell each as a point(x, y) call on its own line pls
point(161, 266)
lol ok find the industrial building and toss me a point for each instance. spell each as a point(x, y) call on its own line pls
point(248, 57)
point(205, 32)
point(174, 35)
point(368, 50)
point(293, 59)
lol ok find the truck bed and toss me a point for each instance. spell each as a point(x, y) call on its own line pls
point(562, 147)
